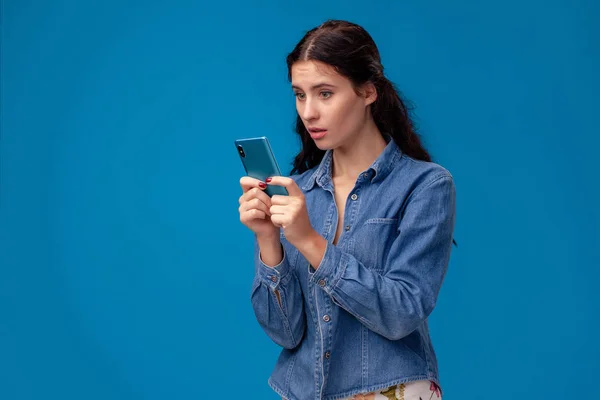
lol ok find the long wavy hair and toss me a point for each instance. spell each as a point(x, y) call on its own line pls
point(350, 50)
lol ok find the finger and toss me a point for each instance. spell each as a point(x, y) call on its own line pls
point(278, 220)
point(287, 183)
point(255, 204)
point(247, 183)
point(250, 215)
point(256, 193)
point(274, 210)
point(280, 200)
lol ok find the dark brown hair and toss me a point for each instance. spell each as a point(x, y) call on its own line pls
point(350, 50)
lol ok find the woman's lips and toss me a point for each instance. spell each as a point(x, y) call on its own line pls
point(317, 133)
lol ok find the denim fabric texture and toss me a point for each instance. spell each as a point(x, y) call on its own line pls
point(358, 322)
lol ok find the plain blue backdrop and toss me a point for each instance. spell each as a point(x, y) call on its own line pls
point(125, 273)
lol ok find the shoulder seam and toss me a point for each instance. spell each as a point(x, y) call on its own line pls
point(430, 183)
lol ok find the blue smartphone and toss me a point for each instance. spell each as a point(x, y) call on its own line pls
point(259, 161)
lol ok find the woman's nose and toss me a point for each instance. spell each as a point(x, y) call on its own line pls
point(310, 111)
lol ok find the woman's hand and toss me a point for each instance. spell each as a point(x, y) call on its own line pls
point(254, 208)
point(289, 212)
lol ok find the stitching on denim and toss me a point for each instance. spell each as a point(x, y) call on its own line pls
point(428, 185)
point(289, 373)
point(284, 319)
point(340, 270)
point(318, 316)
point(382, 221)
point(277, 390)
point(364, 336)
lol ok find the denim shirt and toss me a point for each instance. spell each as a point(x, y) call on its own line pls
point(358, 323)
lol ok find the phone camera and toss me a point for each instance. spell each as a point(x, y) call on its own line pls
point(241, 151)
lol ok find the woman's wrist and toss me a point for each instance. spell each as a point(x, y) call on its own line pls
point(271, 252)
point(313, 248)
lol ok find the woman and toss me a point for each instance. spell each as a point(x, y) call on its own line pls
point(349, 265)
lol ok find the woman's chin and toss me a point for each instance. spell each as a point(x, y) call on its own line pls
point(324, 144)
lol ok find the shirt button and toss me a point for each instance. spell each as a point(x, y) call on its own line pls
point(326, 318)
point(321, 282)
point(327, 354)
point(347, 227)
point(274, 278)
point(354, 196)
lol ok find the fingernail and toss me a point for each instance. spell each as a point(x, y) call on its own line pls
point(268, 179)
point(262, 185)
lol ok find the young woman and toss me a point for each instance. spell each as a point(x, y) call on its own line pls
point(350, 264)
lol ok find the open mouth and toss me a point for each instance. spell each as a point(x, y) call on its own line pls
point(317, 133)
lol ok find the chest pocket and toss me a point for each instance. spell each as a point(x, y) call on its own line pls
point(373, 240)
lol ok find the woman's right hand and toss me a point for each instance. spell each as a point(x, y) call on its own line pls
point(254, 208)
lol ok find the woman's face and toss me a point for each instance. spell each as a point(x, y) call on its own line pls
point(332, 112)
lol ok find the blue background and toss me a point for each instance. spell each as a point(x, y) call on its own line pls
point(125, 273)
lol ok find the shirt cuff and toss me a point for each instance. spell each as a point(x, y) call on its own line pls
point(273, 276)
point(331, 268)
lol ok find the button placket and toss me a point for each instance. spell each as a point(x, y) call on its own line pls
point(353, 197)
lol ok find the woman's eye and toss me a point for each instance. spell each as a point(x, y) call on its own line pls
point(326, 95)
point(300, 96)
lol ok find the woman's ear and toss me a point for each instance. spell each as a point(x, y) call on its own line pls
point(370, 93)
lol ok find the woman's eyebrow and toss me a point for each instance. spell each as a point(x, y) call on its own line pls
point(316, 86)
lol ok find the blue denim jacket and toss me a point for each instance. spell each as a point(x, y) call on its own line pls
point(358, 323)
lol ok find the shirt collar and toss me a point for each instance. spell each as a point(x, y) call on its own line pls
point(380, 168)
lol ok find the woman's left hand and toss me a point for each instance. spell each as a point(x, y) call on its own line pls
point(289, 212)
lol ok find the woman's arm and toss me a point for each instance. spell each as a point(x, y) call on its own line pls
point(393, 303)
point(277, 295)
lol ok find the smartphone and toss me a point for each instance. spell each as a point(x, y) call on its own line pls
point(259, 161)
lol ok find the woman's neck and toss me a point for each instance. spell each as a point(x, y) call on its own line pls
point(350, 159)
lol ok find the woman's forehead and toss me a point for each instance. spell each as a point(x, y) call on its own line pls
point(309, 73)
